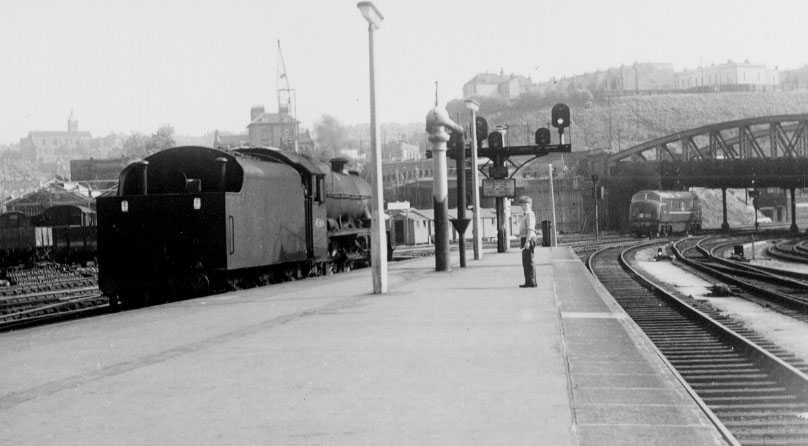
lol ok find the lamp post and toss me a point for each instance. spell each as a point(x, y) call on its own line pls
point(473, 107)
point(378, 237)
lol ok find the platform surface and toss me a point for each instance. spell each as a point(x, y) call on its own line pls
point(463, 357)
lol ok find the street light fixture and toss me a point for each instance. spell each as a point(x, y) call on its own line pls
point(370, 13)
point(378, 236)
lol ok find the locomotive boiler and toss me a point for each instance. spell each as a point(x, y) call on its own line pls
point(190, 220)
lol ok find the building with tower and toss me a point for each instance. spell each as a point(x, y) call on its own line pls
point(53, 146)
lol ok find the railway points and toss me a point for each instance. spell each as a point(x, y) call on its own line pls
point(456, 357)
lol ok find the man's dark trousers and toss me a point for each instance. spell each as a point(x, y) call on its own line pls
point(527, 264)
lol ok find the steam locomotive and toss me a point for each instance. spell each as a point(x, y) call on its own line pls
point(657, 212)
point(190, 220)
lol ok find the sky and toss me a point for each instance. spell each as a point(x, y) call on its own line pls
point(132, 66)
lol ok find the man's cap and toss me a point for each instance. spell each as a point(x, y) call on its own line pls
point(524, 199)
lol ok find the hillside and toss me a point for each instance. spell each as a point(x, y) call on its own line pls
point(635, 119)
point(739, 213)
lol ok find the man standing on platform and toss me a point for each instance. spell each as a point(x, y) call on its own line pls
point(527, 233)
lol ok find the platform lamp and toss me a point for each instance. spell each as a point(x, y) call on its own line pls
point(378, 237)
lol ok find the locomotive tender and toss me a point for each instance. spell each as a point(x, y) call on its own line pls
point(657, 212)
point(189, 220)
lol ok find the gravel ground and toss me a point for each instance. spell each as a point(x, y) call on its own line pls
point(783, 330)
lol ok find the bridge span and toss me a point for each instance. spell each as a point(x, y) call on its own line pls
point(761, 152)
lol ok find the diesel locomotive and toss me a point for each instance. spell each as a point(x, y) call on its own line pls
point(190, 220)
point(657, 212)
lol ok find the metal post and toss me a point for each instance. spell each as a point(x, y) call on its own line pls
point(436, 122)
point(794, 227)
point(503, 241)
point(553, 234)
point(502, 233)
point(378, 236)
point(724, 224)
point(595, 197)
point(475, 182)
point(460, 177)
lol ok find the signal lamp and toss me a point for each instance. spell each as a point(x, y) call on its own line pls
point(495, 141)
point(482, 129)
point(124, 206)
point(542, 136)
point(560, 114)
point(456, 142)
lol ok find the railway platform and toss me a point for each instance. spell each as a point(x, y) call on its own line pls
point(464, 357)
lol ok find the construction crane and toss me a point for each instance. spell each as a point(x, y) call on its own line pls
point(287, 102)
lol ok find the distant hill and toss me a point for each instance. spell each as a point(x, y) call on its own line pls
point(740, 211)
point(635, 119)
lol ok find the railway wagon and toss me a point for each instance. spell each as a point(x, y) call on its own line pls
point(17, 238)
point(190, 220)
point(68, 232)
point(657, 212)
point(62, 233)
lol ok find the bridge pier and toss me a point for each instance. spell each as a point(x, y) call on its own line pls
point(794, 227)
point(724, 224)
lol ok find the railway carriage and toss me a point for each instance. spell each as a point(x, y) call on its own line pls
point(189, 220)
point(656, 212)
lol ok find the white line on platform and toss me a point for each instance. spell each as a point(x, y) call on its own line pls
point(590, 315)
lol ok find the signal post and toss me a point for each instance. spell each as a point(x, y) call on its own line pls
point(500, 182)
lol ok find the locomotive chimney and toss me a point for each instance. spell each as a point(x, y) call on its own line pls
point(223, 173)
point(144, 176)
point(338, 164)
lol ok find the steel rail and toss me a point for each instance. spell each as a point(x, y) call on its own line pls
point(747, 388)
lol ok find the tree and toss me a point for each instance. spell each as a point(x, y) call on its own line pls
point(138, 145)
point(330, 136)
point(162, 139)
point(135, 145)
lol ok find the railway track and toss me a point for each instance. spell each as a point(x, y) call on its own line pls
point(586, 246)
point(793, 250)
point(784, 292)
point(47, 294)
point(755, 392)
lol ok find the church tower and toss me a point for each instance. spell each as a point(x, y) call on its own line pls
point(72, 123)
